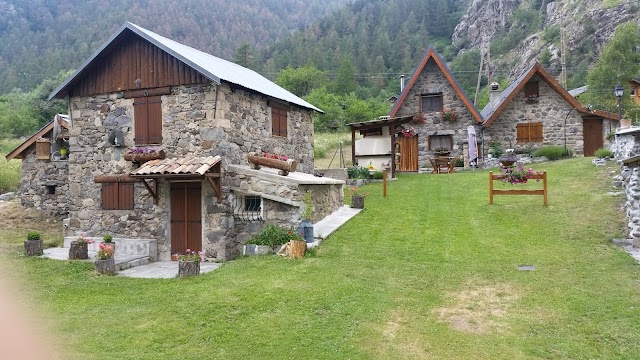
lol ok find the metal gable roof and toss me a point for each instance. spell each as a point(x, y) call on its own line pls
point(208, 65)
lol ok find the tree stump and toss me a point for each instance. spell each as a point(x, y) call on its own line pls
point(297, 249)
point(357, 202)
point(188, 268)
point(78, 251)
point(106, 267)
point(33, 247)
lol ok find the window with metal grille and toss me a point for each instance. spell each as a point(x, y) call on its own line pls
point(529, 132)
point(431, 102)
point(117, 196)
point(440, 142)
point(279, 118)
point(247, 207)
point(147, 113)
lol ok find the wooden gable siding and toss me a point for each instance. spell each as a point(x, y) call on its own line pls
point(135, 58)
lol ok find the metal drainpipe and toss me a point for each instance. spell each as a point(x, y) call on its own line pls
point(215, 102)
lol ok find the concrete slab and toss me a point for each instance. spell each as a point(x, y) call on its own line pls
point(323, 228)
point(163, 270)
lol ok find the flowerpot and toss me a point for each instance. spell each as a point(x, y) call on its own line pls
point(141, 158)
point(507, 161)
point(78, 251)
point(297, 249)
point(357, 201)
point(106, 267)
point(188, 268)
point(33, 247)
point(305, 229)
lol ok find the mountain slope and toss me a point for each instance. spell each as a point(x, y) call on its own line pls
point(39, 38)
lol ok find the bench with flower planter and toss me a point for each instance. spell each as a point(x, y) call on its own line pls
point(518, 176)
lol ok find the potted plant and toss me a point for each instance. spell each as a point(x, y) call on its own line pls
point(449, 115)
point(108, 240)
point(509, 158)
point(79, 248)
point(189, 263)
point(33, 244)
point(517, 175)
point(105, 264)
point(533, 98)
point(357, 198)
point(305, 229)
point(442, 151)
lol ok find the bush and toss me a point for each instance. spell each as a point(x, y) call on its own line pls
point(378, 175)
point(604, 153)
point(495, 149)
point(273, 235)
point(357, 172)
point(107, 238)
point(33, 235)
point(551, 152)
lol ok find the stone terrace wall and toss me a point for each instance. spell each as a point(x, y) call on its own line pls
point(551, 110)
point(36, 176)
point(432, 80)
point(631, 184)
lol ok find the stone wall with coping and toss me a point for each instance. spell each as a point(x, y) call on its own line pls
point(199, 120)
point(36, 176)
point(550, 109)
point(432, 80)
point(630, 177)
point(627, 143)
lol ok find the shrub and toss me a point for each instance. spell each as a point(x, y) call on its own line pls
point(273, 235)
point(107, 239)
point(604, 153)
point(33, 235)
point(377, 175)
point(551, 152)
point(357, 172)
point(495, 149)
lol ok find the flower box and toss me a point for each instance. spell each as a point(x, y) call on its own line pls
point(285, 166)
point(106, 267)
point(357, 201)
point(188, 268)
point(78, 251)
point(33, 247)
point(144, 156)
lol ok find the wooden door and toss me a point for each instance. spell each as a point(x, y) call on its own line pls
point(408, 153)
point(593, 137)
point(186, 217)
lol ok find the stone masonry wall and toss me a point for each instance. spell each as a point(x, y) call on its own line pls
point(36, 176)
point(196, 121)
point(432, 80)
point(551, 110)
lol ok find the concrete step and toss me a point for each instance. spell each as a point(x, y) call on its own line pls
point(128, 262)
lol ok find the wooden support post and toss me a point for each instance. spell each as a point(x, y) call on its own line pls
point(490, 187)
point(154, 191)
point(353, 147)
point(393, 151)
point(384, 183)
point(544, 182)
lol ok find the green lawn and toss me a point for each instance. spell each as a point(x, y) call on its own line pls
point(429, 272)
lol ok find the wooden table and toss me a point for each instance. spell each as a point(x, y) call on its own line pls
point(443, 164)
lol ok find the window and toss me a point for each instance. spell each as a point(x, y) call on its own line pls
point(147, 112)
point(117, 196)
point(431, 102)
point(440, 142)
point(529, 132)
point(531, 89)
point(634, 91)
point(279, 118)
point(247, 207)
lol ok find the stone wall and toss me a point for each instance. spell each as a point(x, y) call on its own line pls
point(38, 177)
point(631, 183)
point(199, 120)
point(432, 80)
point(551, 110)
point(627, 143)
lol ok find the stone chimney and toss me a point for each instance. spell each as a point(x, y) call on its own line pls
point(494, 95)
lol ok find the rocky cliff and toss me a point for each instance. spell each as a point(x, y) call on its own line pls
point(520, 31)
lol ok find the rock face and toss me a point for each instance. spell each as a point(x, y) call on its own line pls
point(484, 21)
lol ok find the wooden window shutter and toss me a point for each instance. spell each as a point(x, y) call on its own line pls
point(535, 132)
point(529, 132)
point(43, 147)
point(140, 116)
point(117, 196)
point(278, 122)
point(147, 113)
point(522, 133)
point(154, 113)
point(531, 88)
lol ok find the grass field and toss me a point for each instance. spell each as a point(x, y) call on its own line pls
point(9, 170)
point(431, 272)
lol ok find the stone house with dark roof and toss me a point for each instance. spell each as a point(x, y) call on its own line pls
point(535, 111)
point(442, 109)
point(199, 116)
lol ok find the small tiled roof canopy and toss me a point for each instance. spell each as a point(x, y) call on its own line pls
point(189, 167)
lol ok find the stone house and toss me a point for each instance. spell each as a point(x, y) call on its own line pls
point(535, 110)
point(442, 109)
point(198, 117)
point(634, 86)
point(44, 170)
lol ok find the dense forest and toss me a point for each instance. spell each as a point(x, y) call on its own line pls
point(39, 38)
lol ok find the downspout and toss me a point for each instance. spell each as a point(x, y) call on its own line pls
point(215, 103)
